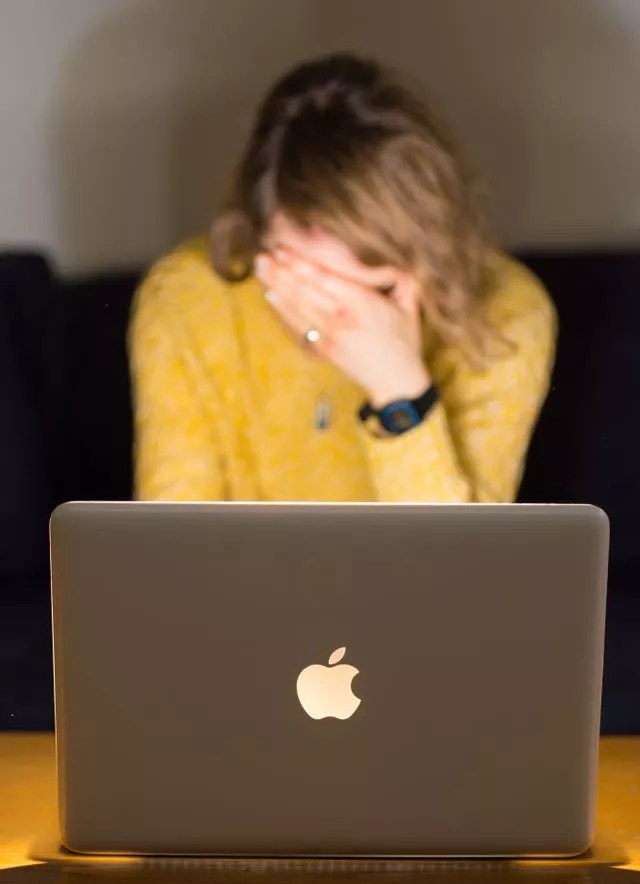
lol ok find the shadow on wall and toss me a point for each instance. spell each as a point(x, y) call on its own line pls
point(157, 98)
point(543, 95)
point(152, 109)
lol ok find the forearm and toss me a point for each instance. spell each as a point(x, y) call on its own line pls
point(421, 465)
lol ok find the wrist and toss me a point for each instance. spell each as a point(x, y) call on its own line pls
point(399, 416)
point(408, 387)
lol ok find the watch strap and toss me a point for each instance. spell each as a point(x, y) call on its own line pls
point(384, 421)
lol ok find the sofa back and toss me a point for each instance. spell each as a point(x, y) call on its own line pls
point(67, 421)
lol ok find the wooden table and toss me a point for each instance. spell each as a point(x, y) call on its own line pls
point(28, 802)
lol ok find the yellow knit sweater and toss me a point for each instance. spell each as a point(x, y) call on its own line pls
point(226, 404)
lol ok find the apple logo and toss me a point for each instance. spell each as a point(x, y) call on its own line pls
point(325, 691)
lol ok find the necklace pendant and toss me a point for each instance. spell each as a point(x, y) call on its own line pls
point(323, 413)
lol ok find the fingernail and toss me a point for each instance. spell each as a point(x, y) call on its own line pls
point(262, 268)
point(303, 269)
point(333, 286)
point(270, 296)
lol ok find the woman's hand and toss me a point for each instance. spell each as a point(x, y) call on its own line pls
point(375, 339)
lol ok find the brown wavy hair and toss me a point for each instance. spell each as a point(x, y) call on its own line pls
point(342, 145)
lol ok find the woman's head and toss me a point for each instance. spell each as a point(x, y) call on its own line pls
point(348, 169)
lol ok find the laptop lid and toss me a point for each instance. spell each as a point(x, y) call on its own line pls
point(344, 680)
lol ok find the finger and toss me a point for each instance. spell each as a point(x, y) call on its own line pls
point(296, 311)
point(291, 297)
point(295, 287)
point(277, 277)
point(406, 296)
point(302, 310)
point(306, 274)
point(302, 293)
point(265, 269)
point(301, 323)
point(333, 289)
point(369, 306)
point(355, 298)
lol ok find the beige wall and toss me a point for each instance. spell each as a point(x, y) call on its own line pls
point(120, 119)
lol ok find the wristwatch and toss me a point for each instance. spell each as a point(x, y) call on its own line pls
point(400, 416)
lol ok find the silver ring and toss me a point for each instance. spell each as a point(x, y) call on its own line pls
point(312, 336)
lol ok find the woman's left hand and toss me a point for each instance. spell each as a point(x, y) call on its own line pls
point(375, 339)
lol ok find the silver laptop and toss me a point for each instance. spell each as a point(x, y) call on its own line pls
point(328, 679)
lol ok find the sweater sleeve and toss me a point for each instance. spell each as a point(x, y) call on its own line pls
point(473, 444)
point(176, 452)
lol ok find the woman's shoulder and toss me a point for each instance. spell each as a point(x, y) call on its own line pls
point(180, 280)
point(516, 297)
point(182, 294)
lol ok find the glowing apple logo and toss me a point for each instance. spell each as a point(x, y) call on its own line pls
point(325, 691)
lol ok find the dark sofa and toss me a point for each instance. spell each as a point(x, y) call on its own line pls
point(66, 433)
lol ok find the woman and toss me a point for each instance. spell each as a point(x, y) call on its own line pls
point(347, 333)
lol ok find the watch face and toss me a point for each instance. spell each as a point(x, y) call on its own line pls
point(399, 417)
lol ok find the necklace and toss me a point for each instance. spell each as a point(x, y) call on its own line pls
point(323, 412)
